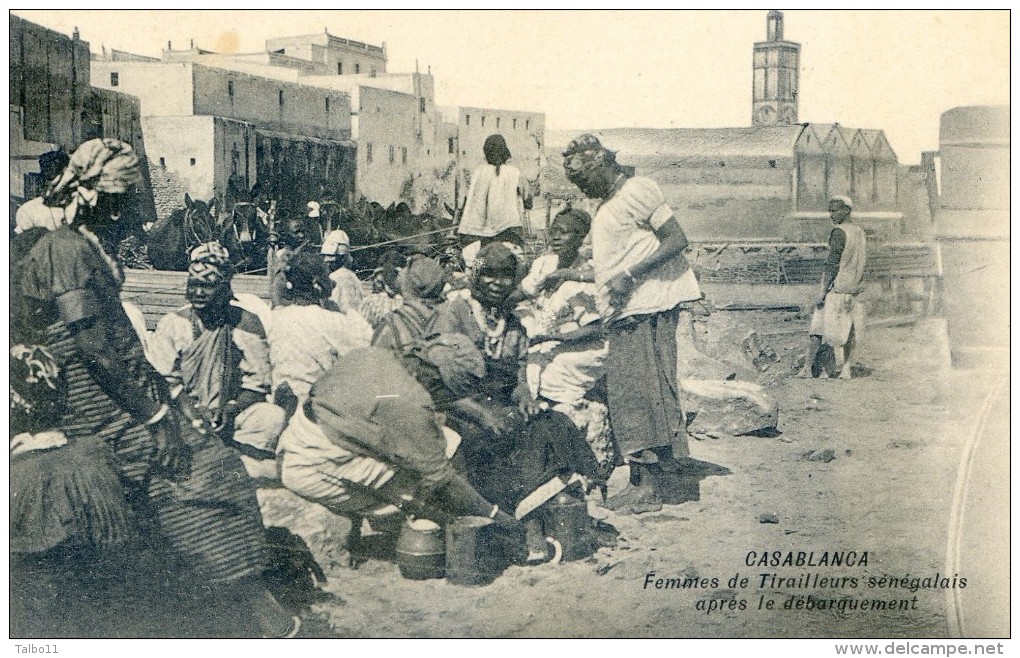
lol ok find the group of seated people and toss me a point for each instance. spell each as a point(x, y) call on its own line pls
point(443, 393)
point(453, 389)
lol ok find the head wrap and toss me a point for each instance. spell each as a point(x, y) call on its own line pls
point(313, 209)
point(496, 258)
point(845, 200)
point(458, 361)
point(102, 165)
point(423, 278)
point(586, 153)
point(307, 277)
point(210, 262)
point(495, 150)
point(336, 242)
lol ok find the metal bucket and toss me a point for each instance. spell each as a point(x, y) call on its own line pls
point(567, 521)
point(474, 555)
point(421, 551)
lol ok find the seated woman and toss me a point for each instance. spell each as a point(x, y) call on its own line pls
point(518, 454)
point(70, 521)
point(305, 337)
point(566, 360)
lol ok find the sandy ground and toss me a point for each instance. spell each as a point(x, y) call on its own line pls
point(897, 434)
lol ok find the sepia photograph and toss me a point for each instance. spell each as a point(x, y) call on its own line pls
point(330, 323)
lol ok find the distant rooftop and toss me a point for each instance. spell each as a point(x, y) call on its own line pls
point(324, 38)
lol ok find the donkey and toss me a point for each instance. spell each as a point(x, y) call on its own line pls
point(172, 238)
point(246, 236)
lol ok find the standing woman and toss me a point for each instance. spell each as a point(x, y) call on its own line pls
point(497, 199)
point(642, 277)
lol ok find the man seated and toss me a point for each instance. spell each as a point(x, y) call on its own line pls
point(217, 353)
point(369, 441)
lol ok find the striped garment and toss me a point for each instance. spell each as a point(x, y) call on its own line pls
point(211, 520)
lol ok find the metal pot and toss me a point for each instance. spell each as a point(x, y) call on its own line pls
point(421, 550)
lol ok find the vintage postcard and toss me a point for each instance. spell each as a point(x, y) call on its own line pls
point(510, 324)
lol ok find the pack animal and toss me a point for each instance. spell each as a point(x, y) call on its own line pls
point(172, 238)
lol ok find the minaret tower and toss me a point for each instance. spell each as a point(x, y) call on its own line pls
point(776, 76)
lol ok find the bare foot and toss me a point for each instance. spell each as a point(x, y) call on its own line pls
point(635, 500)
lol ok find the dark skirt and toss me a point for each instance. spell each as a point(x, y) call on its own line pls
point(71, 494)
point(644, 405)
point(507, 470)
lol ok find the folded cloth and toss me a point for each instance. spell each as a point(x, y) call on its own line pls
point(26, 442)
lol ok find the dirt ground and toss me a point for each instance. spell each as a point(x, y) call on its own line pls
point(896, 435)
point(867, 465)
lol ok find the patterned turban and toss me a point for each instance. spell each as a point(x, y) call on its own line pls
point(103, 165)
point(586, 153)
point(210, 262)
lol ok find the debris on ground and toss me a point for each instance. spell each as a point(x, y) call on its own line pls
point(826, 455)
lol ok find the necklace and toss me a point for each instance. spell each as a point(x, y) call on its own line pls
point(493, 326)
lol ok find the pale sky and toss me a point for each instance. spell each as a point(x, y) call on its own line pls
point(894, 70)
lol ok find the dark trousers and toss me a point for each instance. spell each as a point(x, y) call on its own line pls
point(644, 403)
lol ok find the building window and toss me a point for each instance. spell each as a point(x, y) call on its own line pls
point(467, 119)
point(230, 88)
point(497, 123)
point(515, 124)
point(421, 104)
point(327, 103)
point(357, 68)
point(450, 146)
point(192, 162)
point(393, 154)
point(162, 162)
point(483, 121)
point(281, 98)
point(339, 68)
point(368, 152)
point(527, 123)
point(403, 155)
point(114, 78)
point(371, 73)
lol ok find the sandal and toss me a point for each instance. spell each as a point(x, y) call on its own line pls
point(292, 630)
